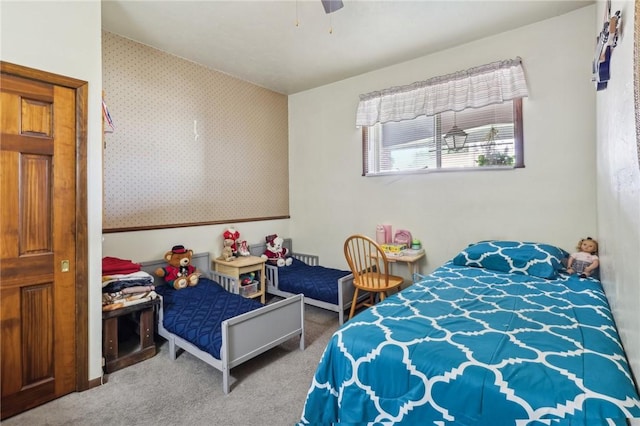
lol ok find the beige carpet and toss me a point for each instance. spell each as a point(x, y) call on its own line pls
point(268, 390)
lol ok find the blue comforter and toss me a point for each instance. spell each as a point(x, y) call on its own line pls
point(196, 313)
point(470, 346)
point(316, 282)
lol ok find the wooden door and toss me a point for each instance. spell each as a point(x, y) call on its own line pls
point(38, 244)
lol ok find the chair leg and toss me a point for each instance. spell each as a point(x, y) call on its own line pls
point(353, 303)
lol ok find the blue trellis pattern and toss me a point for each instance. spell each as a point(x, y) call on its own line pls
point(477, 347)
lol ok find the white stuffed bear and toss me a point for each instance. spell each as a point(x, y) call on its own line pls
point(275, 253)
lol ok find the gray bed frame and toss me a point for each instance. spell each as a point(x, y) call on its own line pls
point(244, 336)
point(345, 284)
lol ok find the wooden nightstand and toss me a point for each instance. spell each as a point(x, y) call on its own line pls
point(122, 345)
point(243, 265)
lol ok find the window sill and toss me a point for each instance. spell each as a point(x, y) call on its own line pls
point(449, 170)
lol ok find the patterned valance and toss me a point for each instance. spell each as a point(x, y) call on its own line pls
point(473, 88)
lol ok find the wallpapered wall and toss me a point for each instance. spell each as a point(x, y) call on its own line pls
point(191, 145)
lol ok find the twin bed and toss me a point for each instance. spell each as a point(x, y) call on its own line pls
point(499, 335)
point(217, 325)
point(324, 287)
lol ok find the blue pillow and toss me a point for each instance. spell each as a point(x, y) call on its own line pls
point(517, 257)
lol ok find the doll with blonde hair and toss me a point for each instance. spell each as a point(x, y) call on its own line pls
point(585, 260)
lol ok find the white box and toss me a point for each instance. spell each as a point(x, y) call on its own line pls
point(249, 289)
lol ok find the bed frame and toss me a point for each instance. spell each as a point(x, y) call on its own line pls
point(345, 284)
point(244, 336)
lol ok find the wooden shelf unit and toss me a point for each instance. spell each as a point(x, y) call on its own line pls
point(243, 265)
point(122, 344)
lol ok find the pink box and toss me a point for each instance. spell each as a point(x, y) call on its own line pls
point(388, 238)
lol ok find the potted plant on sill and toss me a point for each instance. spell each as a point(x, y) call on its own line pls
point(492, 157)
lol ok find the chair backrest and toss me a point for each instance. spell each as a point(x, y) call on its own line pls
point(368, 263)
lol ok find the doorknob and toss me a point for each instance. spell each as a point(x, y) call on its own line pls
point(64, 266)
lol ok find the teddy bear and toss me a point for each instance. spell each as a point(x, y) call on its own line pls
point(275, 253)
point(179, 272)
point(227, 251)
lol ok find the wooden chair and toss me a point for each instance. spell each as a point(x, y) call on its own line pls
point(370, 268)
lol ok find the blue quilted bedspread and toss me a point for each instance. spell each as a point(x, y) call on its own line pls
point(196, 313)
point(470, 346)
point(316, 282)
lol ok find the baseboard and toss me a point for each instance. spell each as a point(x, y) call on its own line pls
point(97, 382)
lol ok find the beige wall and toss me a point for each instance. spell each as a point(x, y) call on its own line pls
point(448, 210)
point(618, 183)
point(64, 38)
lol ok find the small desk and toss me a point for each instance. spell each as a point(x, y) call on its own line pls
point(242, 265)
point(409, 260)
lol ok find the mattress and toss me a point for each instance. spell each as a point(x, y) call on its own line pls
point(196, 313)
point(315, 282)
point(473, 346)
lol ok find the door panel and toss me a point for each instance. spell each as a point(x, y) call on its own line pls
point(37, 333)
point(35, 204)
point(38, 226)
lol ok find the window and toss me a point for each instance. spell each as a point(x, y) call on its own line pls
point(494, 140)
point(408, 128)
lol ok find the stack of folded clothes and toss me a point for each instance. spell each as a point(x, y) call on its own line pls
point(124, 284)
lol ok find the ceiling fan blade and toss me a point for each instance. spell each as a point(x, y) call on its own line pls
point(331, 5)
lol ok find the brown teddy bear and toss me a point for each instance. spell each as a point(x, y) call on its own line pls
point(227, 250)
point(179, 272)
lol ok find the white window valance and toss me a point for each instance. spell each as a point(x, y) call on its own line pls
point(473, 88)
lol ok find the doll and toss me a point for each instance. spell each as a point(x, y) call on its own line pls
point(585, 260)
point(232, 234)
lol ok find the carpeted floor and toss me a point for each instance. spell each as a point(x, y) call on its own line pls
point(268, 390)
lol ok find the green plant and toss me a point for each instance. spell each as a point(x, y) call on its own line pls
point(495, 159)
point(492, 157)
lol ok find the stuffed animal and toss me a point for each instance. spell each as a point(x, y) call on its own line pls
point(585, 261)
point(179, 272)
point(275, 253)
point(233, 235)
point(243, 248)
point(227, 251)
point(248, 278)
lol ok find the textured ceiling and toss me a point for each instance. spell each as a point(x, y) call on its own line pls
point(259, 41)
